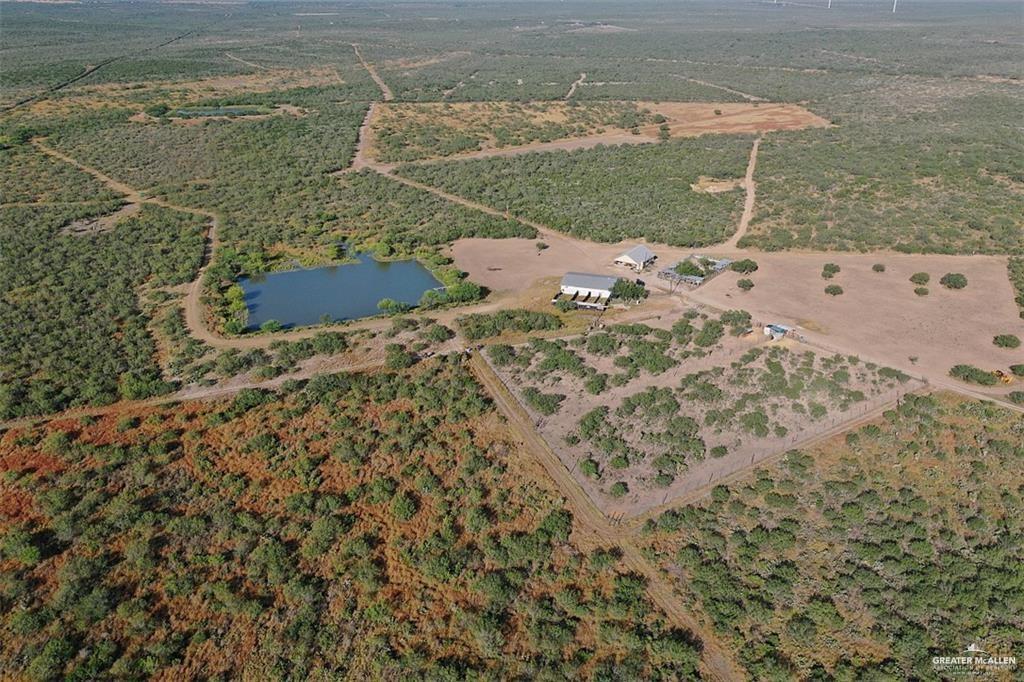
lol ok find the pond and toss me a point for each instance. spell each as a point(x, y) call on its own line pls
point(344, 292)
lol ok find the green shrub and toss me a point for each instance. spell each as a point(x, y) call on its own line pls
point(953, 280)
point(920, 278)
point(833, 290)
point(628, 290)
point(878, 267)
point(921, 291)
point(1016, 397)
point(589, 467)
point(744, 267)
point(483, 325)
point(618, 489)
point(830, 270)
point(745, 284)
point(1018, 370)
point(545, 403)
point(972, 375)
point(1006, 341)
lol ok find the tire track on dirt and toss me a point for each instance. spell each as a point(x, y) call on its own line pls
point(717, 662)
point(244, 61)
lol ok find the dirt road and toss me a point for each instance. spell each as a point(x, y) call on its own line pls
point(744, 95)
point(372, 70)
point(748, 204)
point(194, 318)
point(575, 84)
point(716, 662)
point(244, 61)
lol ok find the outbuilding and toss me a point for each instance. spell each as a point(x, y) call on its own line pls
point(586, 290)
point(638, 258)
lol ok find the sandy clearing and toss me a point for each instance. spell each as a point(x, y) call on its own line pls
point(83, 228)
point(684, 119)
point(879, 316)
point(745, 450)
point(567, 145)
point(690, 119)
point(714, 185)
point(103, 95)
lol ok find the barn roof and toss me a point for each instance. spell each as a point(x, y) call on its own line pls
point(583, 280)
point(638, 254)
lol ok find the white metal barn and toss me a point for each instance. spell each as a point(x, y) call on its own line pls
point(586, 290)
point(638, 258)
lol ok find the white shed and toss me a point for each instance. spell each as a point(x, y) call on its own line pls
point(638, 258)
point(586, 290)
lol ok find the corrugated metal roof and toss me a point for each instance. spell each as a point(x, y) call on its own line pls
point(583, 280)
point(638, 254)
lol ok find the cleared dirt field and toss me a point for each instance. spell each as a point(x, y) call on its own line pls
point(879, 314)
point(689, 119)
point(878, 317)
point(425, 131)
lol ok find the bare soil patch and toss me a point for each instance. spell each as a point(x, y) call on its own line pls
point(90, 226)
point(689, 119)
point(715, 186)
point(879, 314)
point(461, 130)
point(129, 94)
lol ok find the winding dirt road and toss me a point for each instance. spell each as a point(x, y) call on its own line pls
point(194, 314)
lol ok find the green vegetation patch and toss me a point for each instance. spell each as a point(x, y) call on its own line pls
point(75, 332)
point(901, 511)
point(609, 193)
point(214, 532)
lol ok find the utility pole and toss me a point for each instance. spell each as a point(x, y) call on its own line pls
point(894, 6)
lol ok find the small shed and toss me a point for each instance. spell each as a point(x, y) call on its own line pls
point(586, 290)
point(638, 258)
point(776, 331)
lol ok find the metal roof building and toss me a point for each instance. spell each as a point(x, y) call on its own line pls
point(586, 290)
point(638, 257)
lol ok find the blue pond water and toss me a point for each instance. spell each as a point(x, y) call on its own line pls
point(345, 292)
